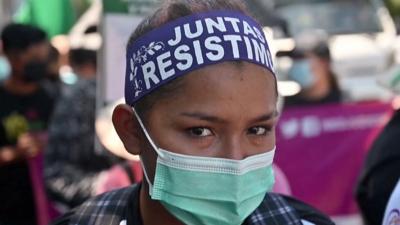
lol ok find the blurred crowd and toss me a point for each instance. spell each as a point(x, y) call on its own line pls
point(45, 115)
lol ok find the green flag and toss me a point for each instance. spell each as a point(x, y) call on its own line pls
point(54, 16)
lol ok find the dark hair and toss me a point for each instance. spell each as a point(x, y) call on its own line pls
point(19, 37)
point(81, 56)
point(322, 51)
point(169, 11)
point(91, 29)
point(54, 54)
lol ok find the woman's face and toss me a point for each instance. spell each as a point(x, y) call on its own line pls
point(319, 68)
point(225, 110)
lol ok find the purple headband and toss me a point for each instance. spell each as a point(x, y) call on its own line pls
point(189, 43)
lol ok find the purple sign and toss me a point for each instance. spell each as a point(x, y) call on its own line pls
point(321, 151)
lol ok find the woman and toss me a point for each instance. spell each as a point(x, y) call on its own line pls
point(312, 69)
point(201, 83)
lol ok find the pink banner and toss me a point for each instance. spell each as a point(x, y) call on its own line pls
point(321, 151)
point(45, 211)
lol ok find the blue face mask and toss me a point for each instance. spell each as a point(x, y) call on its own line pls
point(302, 74)
point(5, 68)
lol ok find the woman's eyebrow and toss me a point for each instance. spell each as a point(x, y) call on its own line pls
point(203, 116)
point(266, 117)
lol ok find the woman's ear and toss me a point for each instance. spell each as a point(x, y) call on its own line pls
point(128, 128)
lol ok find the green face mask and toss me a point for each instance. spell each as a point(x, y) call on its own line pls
point(204, 190)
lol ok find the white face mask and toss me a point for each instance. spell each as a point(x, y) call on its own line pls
point(207, 190)
point(5, 68)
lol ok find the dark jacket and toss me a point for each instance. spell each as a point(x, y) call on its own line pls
point(380, 173)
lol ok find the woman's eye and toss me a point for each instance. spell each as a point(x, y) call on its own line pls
point(258, 131)
point(200, 132)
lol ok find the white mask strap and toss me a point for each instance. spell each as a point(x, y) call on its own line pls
point(146, 176)
point(153, 145)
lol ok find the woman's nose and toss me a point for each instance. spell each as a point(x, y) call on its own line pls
point(233, 147)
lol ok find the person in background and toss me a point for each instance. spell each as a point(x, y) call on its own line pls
point(24, 114)
point(381, 170)
point(73, 166)
point(312, 70)
point(202, 122)
point(52, 82)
